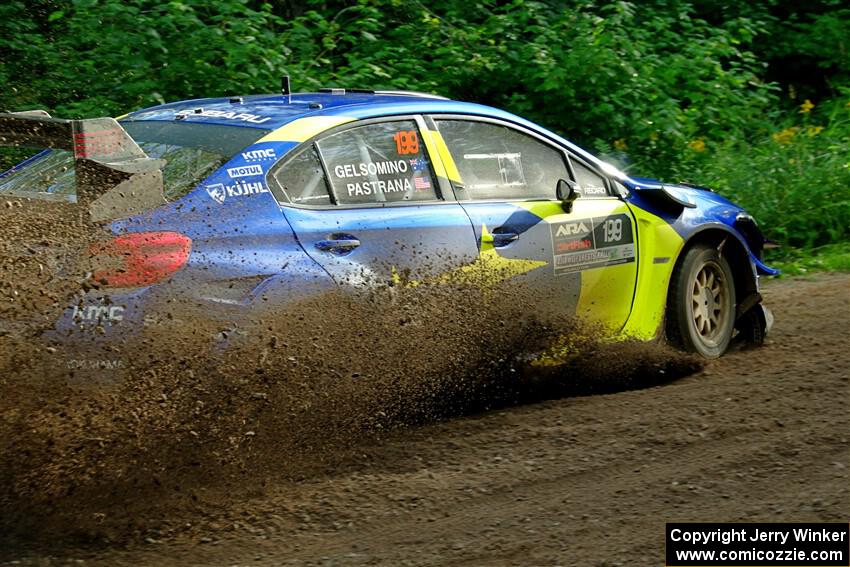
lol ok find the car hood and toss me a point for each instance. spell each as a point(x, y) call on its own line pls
point(691, 193)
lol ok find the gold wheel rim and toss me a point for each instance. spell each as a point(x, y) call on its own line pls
point(709, 297)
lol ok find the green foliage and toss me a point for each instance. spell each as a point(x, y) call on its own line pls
point(106, 57)
point(596, 72)
point(793, 175)
point(667, 88)
point(829, 258)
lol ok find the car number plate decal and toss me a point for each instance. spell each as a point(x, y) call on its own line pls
point(596, 242)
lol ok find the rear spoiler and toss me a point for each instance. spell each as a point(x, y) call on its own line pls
point(114, 177)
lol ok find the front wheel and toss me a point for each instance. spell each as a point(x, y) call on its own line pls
point(701, 303)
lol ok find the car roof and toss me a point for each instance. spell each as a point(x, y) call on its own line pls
point(273, 111)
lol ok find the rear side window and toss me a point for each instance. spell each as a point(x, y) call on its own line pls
point(303, 180)
point(378, 163)
point(191, 152)
point(497, 162)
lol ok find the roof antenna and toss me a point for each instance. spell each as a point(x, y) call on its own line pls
point(285, 88)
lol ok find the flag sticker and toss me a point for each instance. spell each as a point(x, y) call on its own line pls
point(421, 184)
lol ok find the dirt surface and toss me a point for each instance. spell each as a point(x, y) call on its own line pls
point(759, 435)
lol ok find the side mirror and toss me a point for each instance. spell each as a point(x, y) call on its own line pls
point(566, 193)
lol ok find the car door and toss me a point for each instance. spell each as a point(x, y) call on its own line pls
point(505, 177)
point(365, 203)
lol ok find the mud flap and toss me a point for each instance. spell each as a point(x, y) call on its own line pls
point(754, 325)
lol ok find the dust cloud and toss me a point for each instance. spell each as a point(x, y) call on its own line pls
point(200, 411)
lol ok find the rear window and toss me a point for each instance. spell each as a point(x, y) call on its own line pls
point(191, 152)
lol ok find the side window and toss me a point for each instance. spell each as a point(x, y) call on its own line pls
point(620, 189)
point(496, 162)
point(591, 184)
point(303, 180)
point(378, 163)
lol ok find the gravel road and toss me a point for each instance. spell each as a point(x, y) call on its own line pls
point(759, 435)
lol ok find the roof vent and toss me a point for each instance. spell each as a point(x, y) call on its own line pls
point(184, 114)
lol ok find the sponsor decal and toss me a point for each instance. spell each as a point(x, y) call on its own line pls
point(592, 259)
point(98, 313)
point(245, 171)
point(592, 243)
point(573, 245)
point(259, 155)
point(229, 115)
point(593, 190)
point(571, 229)
point(219, 192)
point(376, 187)
point(373, 168)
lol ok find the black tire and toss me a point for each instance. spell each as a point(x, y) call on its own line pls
point(701, 303)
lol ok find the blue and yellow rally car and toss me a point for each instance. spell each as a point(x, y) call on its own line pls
point(248, 202)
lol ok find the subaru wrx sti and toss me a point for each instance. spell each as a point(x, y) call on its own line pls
point(248, 203)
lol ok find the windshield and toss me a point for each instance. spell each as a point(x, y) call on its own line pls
point(191, 152)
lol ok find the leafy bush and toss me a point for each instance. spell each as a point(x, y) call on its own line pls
point(793, 176)
point(665, 87)
point(93, 57)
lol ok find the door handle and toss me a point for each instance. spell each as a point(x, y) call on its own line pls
point(340, 245)
point(504, 238)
